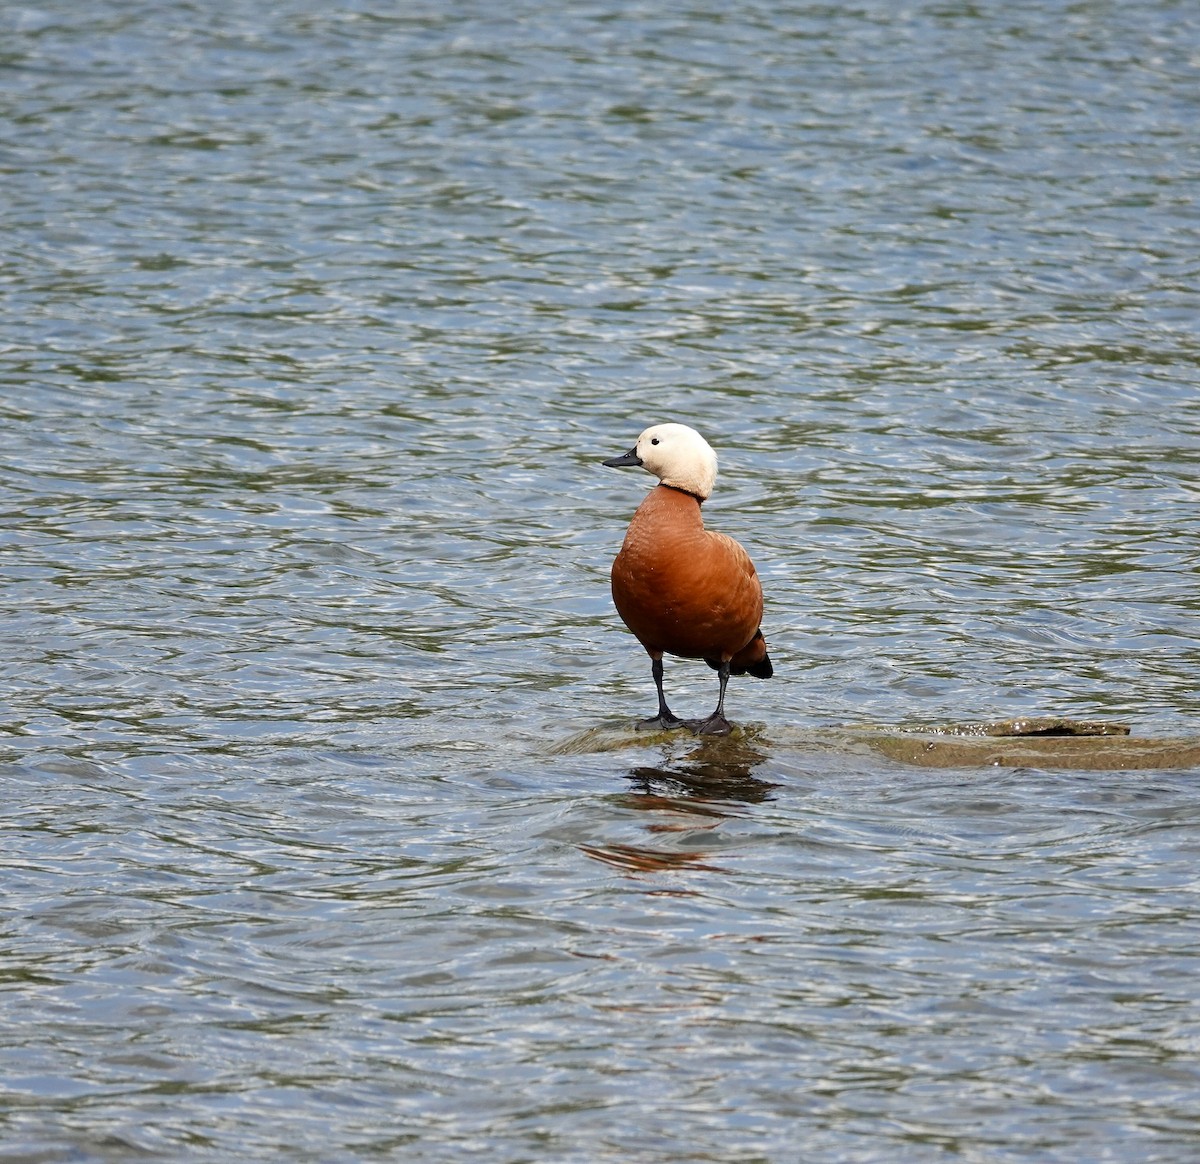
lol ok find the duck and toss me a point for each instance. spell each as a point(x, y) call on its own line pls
point(682, 589)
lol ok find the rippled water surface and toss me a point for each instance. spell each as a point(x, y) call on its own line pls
point(325, 837)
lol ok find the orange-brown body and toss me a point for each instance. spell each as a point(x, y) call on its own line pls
point(684, 590)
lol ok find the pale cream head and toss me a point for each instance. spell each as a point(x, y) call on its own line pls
point(678, 456)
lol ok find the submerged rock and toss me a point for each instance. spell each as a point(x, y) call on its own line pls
point(1044, 742)
point(1045, 725)
point(1094, 752)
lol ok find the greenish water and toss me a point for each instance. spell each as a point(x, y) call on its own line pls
point(316, 326)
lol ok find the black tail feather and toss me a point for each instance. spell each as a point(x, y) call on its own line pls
point(760, 668)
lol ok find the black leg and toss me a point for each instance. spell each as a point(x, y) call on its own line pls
point(665, 718)
point(717, 724)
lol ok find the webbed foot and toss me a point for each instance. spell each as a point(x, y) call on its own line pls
point(661, 723)
point(715, 725)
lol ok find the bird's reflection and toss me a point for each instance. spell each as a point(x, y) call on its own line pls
point(640, 859)
point(716, 772)
point(690, 794)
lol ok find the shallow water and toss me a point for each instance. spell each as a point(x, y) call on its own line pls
point(324, 836)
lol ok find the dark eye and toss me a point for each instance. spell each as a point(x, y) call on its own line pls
point(654, 440)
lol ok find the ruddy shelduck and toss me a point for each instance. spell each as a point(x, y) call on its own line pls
point(684, 590)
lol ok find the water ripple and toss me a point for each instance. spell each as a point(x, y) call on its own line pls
point(326, 835)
